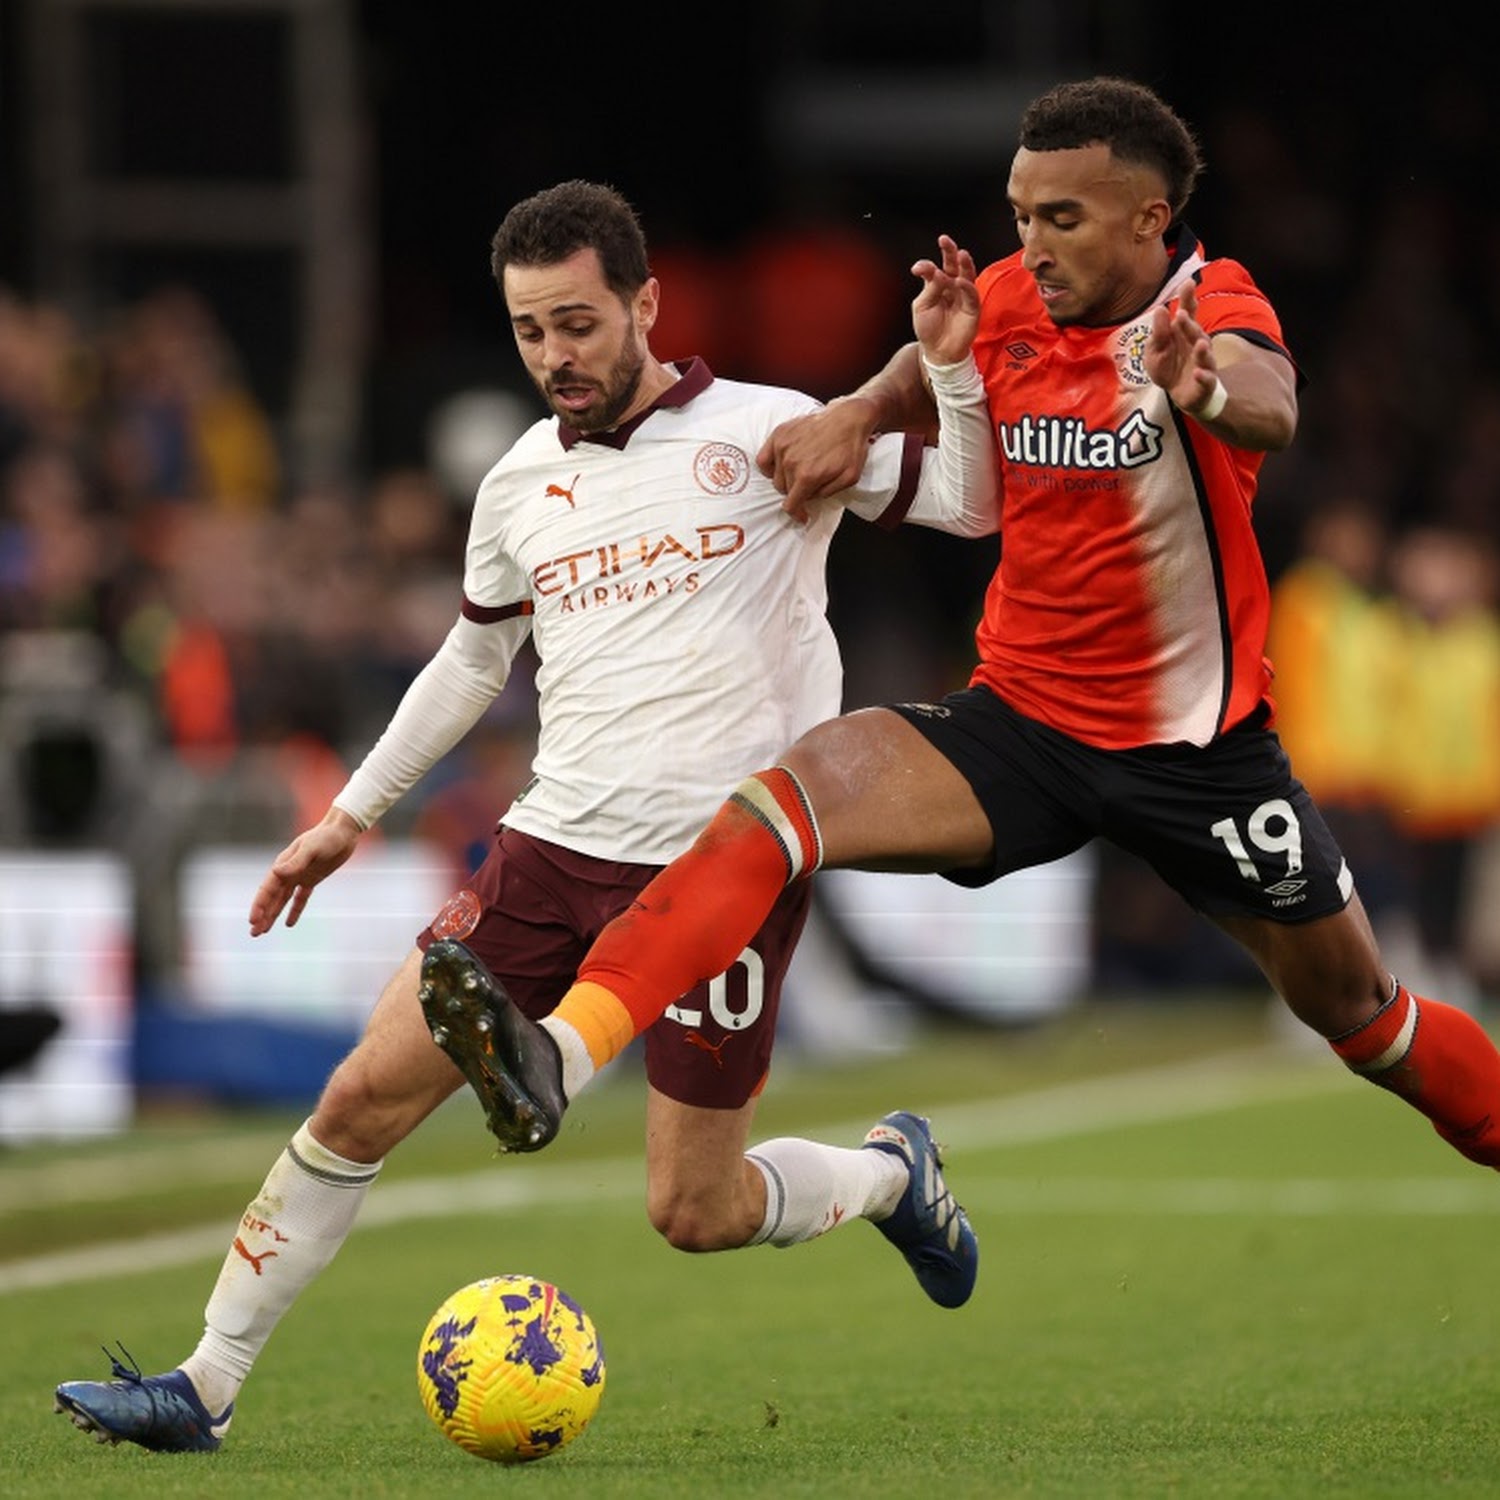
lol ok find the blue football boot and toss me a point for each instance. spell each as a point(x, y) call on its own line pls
point(926, 1225)
point(160, 1412)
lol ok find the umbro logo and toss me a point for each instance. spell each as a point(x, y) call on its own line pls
point(1020, 350)
point(556, 490)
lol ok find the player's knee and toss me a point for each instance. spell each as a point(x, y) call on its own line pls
point(362, 1115)
point(345, 1122)
point(693, 1224)
point(1338, 1000)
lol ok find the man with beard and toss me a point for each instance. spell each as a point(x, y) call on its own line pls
point(678, 615)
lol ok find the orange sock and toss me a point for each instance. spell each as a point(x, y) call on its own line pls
point(1441, 1061)
point(695, 918)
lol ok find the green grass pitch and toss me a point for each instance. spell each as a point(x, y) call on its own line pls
point(1213, 1264)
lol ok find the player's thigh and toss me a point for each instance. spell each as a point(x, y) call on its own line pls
point(1229, 827)
point(396, 1040)
point(1237, 835)
point(531, 910)
point(885, 797)
point(1329, 970)
point(392, 1079)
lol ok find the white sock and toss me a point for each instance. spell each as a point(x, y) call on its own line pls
point(577, 1062)
point(293, 1228)
point(811, 1187)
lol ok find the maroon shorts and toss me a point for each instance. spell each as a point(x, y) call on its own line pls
point(531, 912)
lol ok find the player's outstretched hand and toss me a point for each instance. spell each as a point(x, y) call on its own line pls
point(945, 313)
point(309, 858)
point(810, 458)
point(1179, 356)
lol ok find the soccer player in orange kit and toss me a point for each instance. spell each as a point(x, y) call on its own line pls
point(1134, 384)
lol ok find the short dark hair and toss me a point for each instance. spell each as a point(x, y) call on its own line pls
point(559, 221)
point(1135, 123)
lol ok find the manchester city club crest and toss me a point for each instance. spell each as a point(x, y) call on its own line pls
point(721, 468)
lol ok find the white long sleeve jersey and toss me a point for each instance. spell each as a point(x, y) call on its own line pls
point(678, 613)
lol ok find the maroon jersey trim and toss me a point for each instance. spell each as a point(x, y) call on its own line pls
point(486, 614)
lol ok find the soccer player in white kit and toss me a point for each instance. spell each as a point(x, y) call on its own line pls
point(678, 615)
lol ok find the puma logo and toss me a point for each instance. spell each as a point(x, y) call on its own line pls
point(255, 1260)
point(564, 494)
point(715, 1051)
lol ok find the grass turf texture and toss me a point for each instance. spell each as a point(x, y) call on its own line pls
point(1242, 1274)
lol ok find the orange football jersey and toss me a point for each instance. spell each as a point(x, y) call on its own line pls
point(1130, 605)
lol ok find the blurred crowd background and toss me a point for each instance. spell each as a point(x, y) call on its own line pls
point(252, 364)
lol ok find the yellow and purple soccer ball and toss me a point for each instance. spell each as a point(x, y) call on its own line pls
point(510, 1368)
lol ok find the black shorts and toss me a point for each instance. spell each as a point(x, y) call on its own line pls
point(531, 911)
point(1226, 825)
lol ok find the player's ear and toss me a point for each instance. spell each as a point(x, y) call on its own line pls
point(1153, 219)
point(645, 305)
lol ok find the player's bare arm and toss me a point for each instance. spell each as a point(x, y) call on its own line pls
point(1259, 406)
point(310, 858)
point(810, 458)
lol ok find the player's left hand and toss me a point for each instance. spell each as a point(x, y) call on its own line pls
point(1179, 355)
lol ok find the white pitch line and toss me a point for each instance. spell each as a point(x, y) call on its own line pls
point(1167, 1092)
point(124, 1173)
point(388, 1203)
point(1173, 1091)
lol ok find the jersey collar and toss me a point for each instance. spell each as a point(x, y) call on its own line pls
point(694, 377)
point(1186, 262)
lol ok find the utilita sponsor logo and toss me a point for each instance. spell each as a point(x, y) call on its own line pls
point(1068, 443)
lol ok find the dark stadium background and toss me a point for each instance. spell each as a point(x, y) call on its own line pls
point(725, 122)
point(1351, 164)
point(701, 114)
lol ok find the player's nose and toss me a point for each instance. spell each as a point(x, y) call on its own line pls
point(557, 353)
point(1034, 251)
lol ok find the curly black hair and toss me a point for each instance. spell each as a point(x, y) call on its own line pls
point(1126, 116)
point(559, 221)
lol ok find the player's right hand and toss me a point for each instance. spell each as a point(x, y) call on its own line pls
point(810, 458)
point(945, 313)
point(308, 859)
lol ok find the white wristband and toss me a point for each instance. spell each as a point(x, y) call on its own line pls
point(958, 378)
point(1218, 399)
